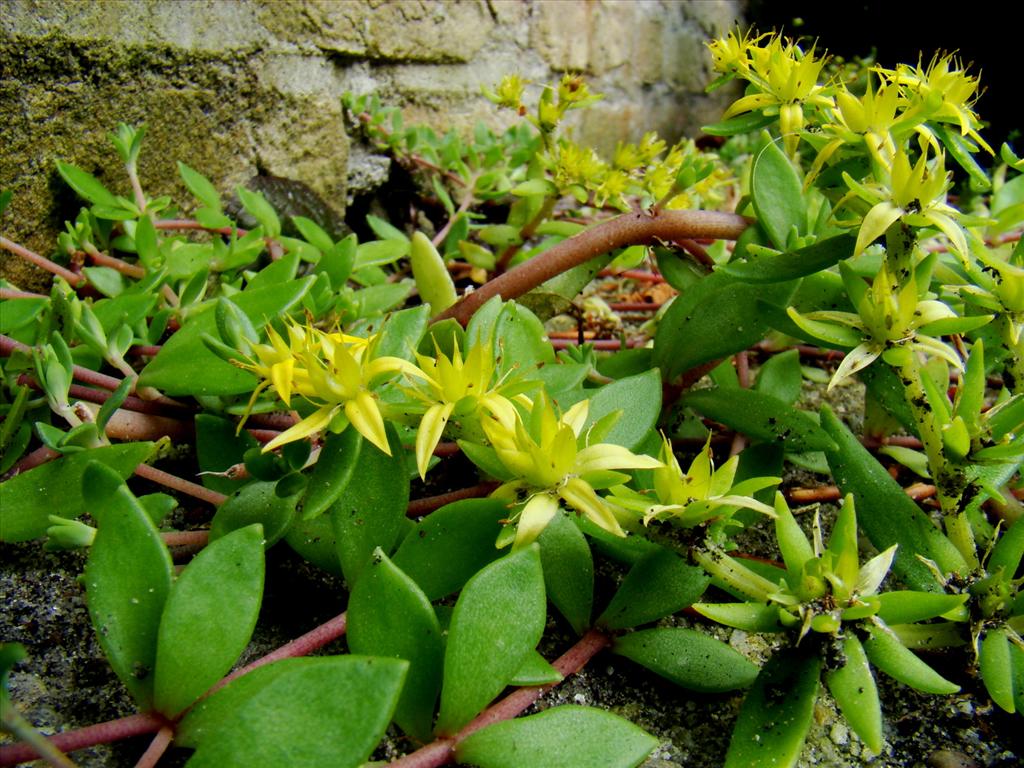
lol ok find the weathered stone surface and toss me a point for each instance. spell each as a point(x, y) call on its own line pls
point(244, 86)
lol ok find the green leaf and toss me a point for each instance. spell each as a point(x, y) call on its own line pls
point(314, 541)
point(568, 571)
point(87, 185)
point(887, 653)
point(717, 317)
point(762, 417)
point(208, 618)
point(777, 713)
point(535, 671)
point(907, 607)
point(691, 659)
point(659, 584)
point(498, 620)
point(781, 377)
point(388, 615)
point(885, 513)
point(401, 332)
point(290, 714)
point(127, 579)
point(445, 549)
point(745, 123)
point(255, 502)
point(433, 280)
point(777, 268)
point(199, 186)
point(257, 206)
point(638, 398)
point(385, 230)
point(519, 340)
point(561, 737)
point(377, 253)
point(184, 366)
point(27, 500)
point(219, 446)
point(332, 472)
point(853, 687)
point(996, 667)
point(369, 513)
point(777, 194)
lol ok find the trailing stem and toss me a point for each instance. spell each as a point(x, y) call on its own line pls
point(629, 229)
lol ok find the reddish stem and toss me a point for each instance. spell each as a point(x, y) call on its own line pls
point(41, 261)
point(179, 484)
point(101, 733)
point(420, 507)
point(156, 748)
point(629, 229)
point(39, 456)
point(313, 640)
point(442, 751)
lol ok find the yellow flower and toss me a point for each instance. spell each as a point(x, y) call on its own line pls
point(785, 80)
point(546, 458)
point(333, 371)
point(455, 388)
point(943, 92)
point(915, 195)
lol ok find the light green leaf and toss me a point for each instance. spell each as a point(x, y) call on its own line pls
point(853, 687)
point(568, 571)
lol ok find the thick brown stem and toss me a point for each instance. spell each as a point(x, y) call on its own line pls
point(629, 229)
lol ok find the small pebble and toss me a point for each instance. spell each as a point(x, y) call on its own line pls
point(948, 758)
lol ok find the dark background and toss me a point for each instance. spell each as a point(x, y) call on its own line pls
point(987, 34)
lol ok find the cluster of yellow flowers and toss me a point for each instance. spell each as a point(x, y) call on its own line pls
point(544, 458)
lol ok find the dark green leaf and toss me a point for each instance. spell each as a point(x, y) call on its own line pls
point(776, 715)
point(332, 472)
point(790, 265)
point(208, 618)
point(519, 340)
point(369, 513)
point(445, 549)
point(314, 541)
point(886, 514)
point(255, 502)
point(781, 377)
point(220, 446)
point(27, 500)
point(562, 737)
point(300, 713)
point(762, 417)
point(568, 571)
point(718, 317)
point(688, 658)
point(127, 579)
point(498, 620)
point(388, 615)
point(659, 584)
point(535, 671)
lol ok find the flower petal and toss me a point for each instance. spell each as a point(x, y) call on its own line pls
point(429, 434)
point(534, 518)
point(365, 416)
point(308, 426)
point(609, 456)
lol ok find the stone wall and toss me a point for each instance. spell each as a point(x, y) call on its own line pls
point(236, 87)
